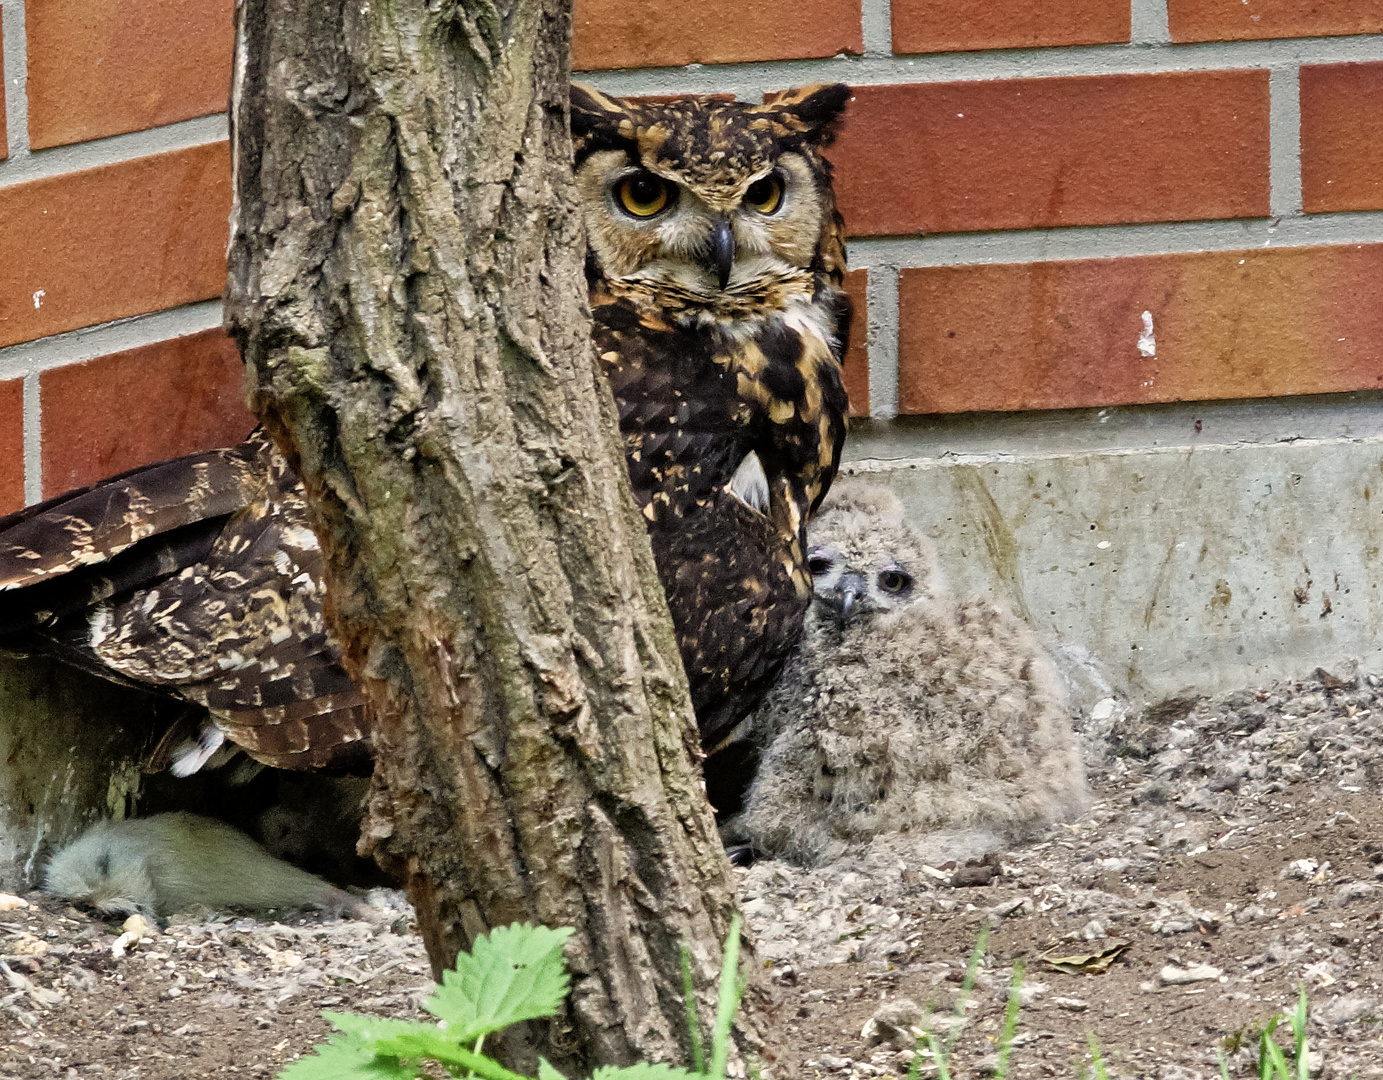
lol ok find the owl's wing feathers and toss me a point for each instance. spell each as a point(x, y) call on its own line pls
point(93, 525)
point(198, 577)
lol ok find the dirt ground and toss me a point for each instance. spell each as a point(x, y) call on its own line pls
point(1235, 841)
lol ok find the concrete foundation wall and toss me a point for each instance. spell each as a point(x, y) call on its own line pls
point(64, 760)
point(1199, 566)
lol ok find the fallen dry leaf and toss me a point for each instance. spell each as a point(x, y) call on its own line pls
point(1094, 963)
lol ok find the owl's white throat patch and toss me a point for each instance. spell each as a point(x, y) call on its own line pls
point(750, 483)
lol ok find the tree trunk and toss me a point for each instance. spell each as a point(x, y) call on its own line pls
point(406, 288)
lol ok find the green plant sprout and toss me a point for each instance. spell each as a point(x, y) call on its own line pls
point(516, 973)
point(1272, 1062)
point(941, 1051)
point(1096, 1058)
point(1011, 1009)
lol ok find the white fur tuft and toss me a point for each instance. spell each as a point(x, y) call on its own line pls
point(750, 483)
point(192, 755)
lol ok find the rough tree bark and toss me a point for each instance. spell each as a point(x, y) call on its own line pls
point(406, 289)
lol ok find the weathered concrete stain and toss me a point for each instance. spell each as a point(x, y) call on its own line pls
point(1159, 582)
point(999, 543)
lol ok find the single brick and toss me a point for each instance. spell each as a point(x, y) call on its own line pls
point(669, 33)
point(100, 244)
point(1238, 20)
point(1342, 137)
point(142, 405)
point(11, 445)
point(1031, 153)
point(101, 68)
point(922, 26)
point(1055, 335)
point(857, 350)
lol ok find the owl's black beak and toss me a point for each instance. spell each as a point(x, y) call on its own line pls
point(722, 251)
point(852, 587)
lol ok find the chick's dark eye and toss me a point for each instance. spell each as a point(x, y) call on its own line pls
point(644, 194)
point(766, 194)
point(818, 564)
point(894, 581)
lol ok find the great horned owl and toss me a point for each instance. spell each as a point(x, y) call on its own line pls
point(715, 263)
point(905, 710)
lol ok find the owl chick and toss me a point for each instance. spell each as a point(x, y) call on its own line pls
point(905, 710)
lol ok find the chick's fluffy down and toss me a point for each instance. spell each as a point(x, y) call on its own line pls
point(943, 720)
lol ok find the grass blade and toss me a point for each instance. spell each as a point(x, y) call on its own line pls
point(1271, 1064)
point(1015, 1002)
point(1101, 1073)
point(693, 1017)
point(967, 985)
point(1299, 1036)
point(939, 1056)
point(727, 1000)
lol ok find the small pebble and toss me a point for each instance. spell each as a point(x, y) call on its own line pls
point(1172, 975)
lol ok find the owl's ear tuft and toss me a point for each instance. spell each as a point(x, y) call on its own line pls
point(597, 120)
point(813, 110)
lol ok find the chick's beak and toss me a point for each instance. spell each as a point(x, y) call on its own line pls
point(722, 251)
point(852, 587)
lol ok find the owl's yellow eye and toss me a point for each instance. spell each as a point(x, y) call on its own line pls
point(644, 194)
point(894, 581)
point(766, 194)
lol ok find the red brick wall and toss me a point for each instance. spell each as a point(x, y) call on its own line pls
point(1023, 183)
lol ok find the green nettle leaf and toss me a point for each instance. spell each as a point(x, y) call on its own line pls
point(547, 1072)
point(515, 973)
point(371, 1029)
point(397, 1038)
point(643, 1072)
point(347, 1057)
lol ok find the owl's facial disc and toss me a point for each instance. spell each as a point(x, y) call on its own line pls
point(648, 223)
point(848, 589)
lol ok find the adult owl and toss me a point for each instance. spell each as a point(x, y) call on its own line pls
point(906, 710)
point(715, 263)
